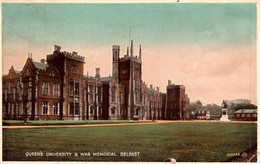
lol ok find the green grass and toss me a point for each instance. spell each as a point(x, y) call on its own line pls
point(186, 142)
point(60, 122)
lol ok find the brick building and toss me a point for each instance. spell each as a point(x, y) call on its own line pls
point(246, 114)
point(57, 89)
point(177, 103)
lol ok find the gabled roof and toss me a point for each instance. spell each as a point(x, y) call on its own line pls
point(246, 111)
point(41, 66)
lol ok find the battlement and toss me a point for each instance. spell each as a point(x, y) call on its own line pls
point(115, 47)
point(135, 59)
point(74, 55)
point(173, 86)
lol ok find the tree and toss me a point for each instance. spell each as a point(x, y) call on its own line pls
point(212, 108)
point(198, 102)
point(195, 106)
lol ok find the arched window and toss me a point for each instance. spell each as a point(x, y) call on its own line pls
point(113, 94)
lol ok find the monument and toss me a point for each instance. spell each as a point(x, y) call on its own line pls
point(224, 116)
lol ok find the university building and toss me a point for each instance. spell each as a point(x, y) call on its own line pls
point(57, 89)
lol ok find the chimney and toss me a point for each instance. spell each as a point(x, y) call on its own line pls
point(43, 61)
point(97, 73)
point(157, 88)
point(57, 48)
point(74, 53)
point(169, 82)
point(151, 86)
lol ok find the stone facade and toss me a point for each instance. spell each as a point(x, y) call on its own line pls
point(58, 90)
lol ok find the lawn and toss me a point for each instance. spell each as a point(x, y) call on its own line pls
point(186, 142)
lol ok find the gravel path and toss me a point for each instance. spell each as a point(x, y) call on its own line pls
point(129, 124)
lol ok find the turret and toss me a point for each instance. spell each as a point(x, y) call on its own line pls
point(115, 55)
point(127, 52)
point(131, 49)
point(140, 51)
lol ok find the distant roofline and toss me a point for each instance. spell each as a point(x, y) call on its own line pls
point(108, 78)
point(246, 111)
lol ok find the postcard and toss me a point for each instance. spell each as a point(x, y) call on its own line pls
point(162, 82)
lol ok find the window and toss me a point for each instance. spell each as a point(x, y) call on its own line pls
point(71, 109)
point(92, 110)
point(11, 87)
point(76, 108)
point(74, 69)
point(10, 108)
point(45, 88)
point(52, 73)
point(137, 98)
point(243, 115)
point(71, 88)
point(137, 84)
point(56, 89)
point(113, 111)
point(45, 107)
point(114, 94)
point(120, 97)
point(248, 115)
point(55, 108)
point(25, 88)
point(238, 115)
point(77, 88)
point(91, 93)
point(99, 94)
point(254, 115)
point(28, 72)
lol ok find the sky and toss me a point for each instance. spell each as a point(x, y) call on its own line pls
point(209, 48)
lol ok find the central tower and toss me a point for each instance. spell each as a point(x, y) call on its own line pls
point(128, 72)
